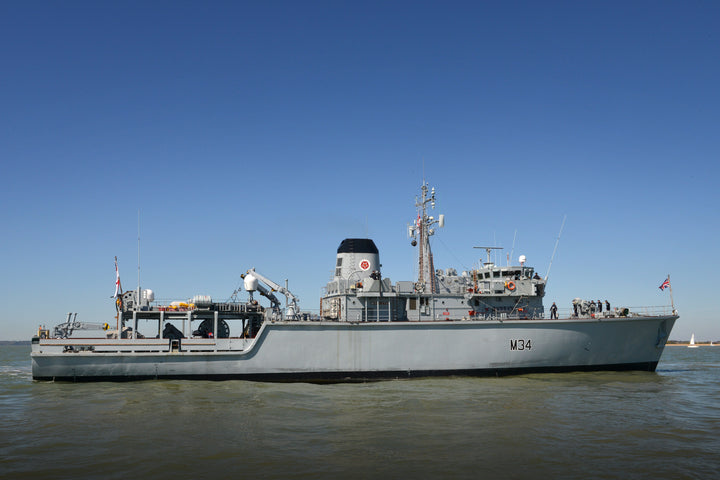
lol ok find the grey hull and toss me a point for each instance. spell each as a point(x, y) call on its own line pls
point(338, 351)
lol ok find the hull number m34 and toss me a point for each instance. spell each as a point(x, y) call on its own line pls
point(520, 344)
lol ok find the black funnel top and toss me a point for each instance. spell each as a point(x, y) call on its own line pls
point(357, 245)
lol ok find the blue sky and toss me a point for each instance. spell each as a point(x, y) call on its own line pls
point(261, 134)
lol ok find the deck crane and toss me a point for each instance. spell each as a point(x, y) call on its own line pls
point(251, 280)
point(64, 330)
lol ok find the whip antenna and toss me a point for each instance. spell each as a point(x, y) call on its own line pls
point(512, 250)
point(138, 248)
point(555, 249)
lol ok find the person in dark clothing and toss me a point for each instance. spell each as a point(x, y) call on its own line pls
point(607, 305)
point(553, 312)
point(599, 306)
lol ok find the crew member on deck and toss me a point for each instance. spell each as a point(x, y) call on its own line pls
point(553, 312)
point(599, 306)
point(607, 305)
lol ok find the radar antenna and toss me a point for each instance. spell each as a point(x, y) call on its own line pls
point(489, 251)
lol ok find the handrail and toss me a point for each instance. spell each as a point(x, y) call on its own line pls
point(651, 311)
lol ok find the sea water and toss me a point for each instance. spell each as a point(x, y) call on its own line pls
point(542, 426)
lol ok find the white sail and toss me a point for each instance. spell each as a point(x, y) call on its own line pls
point(692, 341)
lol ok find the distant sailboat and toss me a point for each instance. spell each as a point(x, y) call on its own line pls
point(692, 341)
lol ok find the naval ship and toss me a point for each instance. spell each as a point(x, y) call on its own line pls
point(488, 321)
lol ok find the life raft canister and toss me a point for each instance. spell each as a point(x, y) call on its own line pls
point(510, 285)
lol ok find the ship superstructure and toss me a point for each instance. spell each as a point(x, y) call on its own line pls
point(359, 293)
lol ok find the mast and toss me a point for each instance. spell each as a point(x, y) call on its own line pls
point(672, 302)
point(421, 232)
point(118, 295)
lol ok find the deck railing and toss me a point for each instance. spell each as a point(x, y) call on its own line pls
point(645, 311)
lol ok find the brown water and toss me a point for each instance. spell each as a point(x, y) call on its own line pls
point(584, 425)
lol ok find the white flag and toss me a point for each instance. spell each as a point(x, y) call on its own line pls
point(118, 287)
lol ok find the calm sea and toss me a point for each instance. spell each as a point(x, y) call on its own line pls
point(546, 426)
